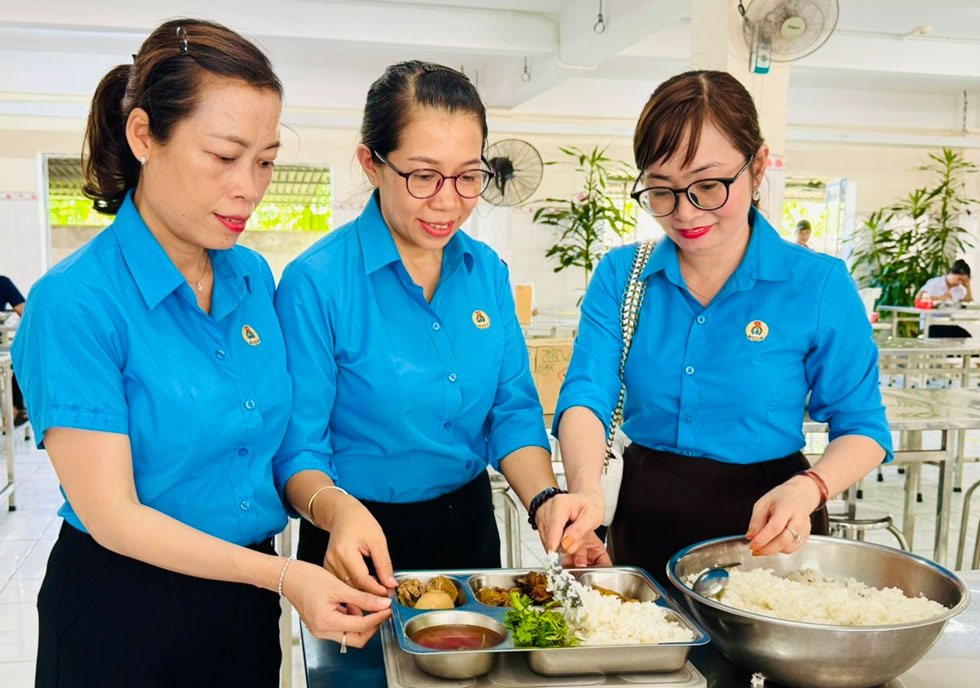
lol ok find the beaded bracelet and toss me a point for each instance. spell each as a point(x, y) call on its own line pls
point(821, 485)
point(282, 574)
point(539, 499)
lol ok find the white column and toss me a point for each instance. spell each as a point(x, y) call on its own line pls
point(717, 43)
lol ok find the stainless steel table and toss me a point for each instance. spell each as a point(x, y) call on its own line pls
point(932, 316)
point(912, 357)
point(953, 662)
point(949, 411)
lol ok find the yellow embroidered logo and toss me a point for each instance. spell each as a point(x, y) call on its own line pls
point(251, 336)
point(481, 319)
point(756, 331)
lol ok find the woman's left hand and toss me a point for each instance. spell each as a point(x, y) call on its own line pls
point(567, 522)
point(781, 518)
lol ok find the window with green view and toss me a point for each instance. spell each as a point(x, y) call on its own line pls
point(298, 199)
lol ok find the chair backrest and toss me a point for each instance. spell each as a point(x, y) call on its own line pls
point(868, 296)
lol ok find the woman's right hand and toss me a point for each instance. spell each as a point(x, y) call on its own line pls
point(355, 534)
point(331, 609)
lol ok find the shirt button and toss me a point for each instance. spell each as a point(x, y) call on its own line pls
point(452, 377)
point(446, 426)
point(249, 404)
point(469, 463)
point(689, 370)
point(435, 326)
point(243, 451)
point(700, 320)
point(244, 505)
point(688, 452)
point(220, 353)
point(687, 419)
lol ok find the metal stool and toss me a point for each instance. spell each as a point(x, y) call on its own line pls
point(512, 522)
point(964, 522)
point(864, 518)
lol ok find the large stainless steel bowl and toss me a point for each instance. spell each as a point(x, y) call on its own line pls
point(805, 655)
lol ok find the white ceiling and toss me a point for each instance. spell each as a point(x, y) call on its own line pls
point(52, 53)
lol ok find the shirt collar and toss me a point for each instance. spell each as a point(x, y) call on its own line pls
point(765, 257)
point(378, 247)
point(155, 274)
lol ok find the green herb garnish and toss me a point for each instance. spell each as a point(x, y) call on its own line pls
point(537, 626)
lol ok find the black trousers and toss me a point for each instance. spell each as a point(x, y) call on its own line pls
point(107, 620)
point(954, 331)
point(454, 531)
point(668, 502)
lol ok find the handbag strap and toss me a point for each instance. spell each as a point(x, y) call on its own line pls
point(629, 314)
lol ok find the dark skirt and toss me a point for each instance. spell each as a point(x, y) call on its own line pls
point(107, 620)
point(668, 502)
point(454, 531)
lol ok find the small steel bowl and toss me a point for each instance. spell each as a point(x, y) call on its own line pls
point(453, 663)
point(807, 655)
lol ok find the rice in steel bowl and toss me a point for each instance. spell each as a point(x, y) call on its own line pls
point(806, 595)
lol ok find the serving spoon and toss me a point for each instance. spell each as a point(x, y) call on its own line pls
point(713, 581)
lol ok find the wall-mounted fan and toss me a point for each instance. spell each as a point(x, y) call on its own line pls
point(517, 168)
point(786, 30)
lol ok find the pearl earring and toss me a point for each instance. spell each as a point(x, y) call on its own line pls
point(755, 194)
point(142, 161)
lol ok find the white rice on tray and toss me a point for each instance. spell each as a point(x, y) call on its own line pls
point(808, 596)
point(605, 620)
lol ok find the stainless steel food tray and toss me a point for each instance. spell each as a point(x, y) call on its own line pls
point(591, 659)
point(511, 671)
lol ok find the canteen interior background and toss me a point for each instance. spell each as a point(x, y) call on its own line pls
point(896, 81)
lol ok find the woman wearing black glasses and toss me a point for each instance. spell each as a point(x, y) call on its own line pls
point(726, 350)
point(410, 372)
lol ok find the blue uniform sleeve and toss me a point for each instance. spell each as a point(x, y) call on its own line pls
point(516, 418)
point(69, 357)
point(842, 365)
point(592, 379)
point(308, 332)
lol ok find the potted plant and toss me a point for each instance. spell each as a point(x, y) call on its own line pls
point(899, 247)
point(584, 219)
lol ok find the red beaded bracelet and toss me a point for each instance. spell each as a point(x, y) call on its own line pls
point(821, 485)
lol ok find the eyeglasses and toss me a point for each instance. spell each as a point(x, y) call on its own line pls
point(425, 183)
point(706, 194)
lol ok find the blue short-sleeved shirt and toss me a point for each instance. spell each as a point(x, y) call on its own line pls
point(730, 381)
point(113, 340)
point(401, 400)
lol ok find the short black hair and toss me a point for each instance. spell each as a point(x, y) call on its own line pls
point(960, 268)
point(803, 224)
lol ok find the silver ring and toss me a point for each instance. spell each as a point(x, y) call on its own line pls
point(796, 536)
point(343, 644)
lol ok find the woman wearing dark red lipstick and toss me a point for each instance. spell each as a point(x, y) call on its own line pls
point(726, 350)
point(154, 370)
point(410, 372)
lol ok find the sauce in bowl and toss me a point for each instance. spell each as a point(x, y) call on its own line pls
point(457, 637)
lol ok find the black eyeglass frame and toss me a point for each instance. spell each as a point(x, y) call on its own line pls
point(725, 181)
point(488, 176)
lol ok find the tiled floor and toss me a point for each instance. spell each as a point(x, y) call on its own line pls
point(27, 535)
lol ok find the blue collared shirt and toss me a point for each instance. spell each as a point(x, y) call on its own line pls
point(401, 400)
point(113, 340)
point(730, 381)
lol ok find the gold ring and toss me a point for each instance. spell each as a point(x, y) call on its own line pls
point(347, 579)
point(343, 644)
point(796, 536)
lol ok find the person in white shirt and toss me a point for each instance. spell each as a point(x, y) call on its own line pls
point(953, 287)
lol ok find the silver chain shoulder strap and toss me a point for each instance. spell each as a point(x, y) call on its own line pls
point(629, 314)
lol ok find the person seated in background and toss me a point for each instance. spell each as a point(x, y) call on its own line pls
point(954, 288)
point(801, 234)
point(11, 297)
